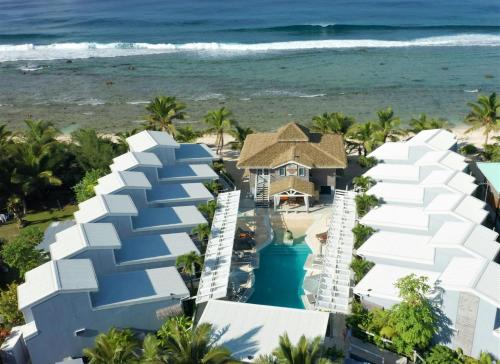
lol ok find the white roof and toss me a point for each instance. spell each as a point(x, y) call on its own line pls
point(438, 139)
point(249, 330)
point(49, 236)
point(131, 160)
point(123, 289)
point(68, 275)
point(474, 239)
point(148, 139)
point(391, 151)
point(101, 206)
point(398, 192)
point(398, 246)
point(478, 276)
point(472, 208)
point(394, 172)
point(460, 205)
point(81, 237)
point(118, 181)
point(446, 158)
point(380, 280)
point(397, 217)
point(456, 181)
point(444, 202)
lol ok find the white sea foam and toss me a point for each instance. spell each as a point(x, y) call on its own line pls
point(137, 102)
point(311, 96)
point(90, 102)
point(87, 49)
point(210, 96)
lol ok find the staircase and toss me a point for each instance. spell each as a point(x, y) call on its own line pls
point(262, 184)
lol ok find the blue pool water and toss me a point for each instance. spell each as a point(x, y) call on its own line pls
point(278, 281)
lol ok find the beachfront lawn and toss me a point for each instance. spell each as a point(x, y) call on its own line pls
point(40, 219)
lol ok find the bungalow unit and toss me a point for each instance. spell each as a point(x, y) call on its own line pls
point(114, 265)
point(489, 176)
point(292, 165)
point(429, 225)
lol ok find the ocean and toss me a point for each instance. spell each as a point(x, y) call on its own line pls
point(97, 63)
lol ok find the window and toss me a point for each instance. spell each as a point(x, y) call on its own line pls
point(302, 171)
point(282, 171)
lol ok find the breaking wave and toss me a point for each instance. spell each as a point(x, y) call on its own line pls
point(30, 52)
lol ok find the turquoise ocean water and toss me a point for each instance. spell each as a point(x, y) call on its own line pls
point(96, 63)
point(278, 281)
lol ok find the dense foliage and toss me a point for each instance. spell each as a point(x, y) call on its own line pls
point(85, 188)
point(21, 253)
point(9, 312)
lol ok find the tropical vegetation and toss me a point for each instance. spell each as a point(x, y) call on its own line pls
point(189, 264)
point(162, 112)
point(219, 122)
point(484, 115)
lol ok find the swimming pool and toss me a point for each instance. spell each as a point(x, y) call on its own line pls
point(278, 281)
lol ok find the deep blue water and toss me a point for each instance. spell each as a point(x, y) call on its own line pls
point(278, 281)
point(269, 61)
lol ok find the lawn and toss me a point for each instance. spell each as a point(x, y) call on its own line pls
point(40, 219)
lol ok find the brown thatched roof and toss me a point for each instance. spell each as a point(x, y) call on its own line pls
point(292, 183)
point(293, 142)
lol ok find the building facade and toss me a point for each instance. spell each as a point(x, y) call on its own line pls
point(291, 166)
point(115, 265)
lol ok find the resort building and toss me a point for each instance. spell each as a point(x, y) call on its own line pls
point(114, 265)
point(428, 224)
point(291, 166)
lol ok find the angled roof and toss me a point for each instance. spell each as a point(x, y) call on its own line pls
point(124, 180)
point(250, 330)
point(136, 287)
point(455, 180)
point(399, 246)
point(477, 276)
point(100, 206)
point(55, 276)
point(492, 173)
point(398, 217)
point(157, 218)
point(194, 153)
point(397, 151)
point(49, 236)
point(81, 237)
point(474, 239)
point(186, 172)
point(149, 139)
point(394, 172)
point(293, 143)
point(379, 281)
point(154, 248)
point(438, 139)
point(445, 158)
point(179, 192)
point(292, 183)
point(398, 193)
point(131, 160)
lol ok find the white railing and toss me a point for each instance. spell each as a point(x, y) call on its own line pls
point(334, 288)
point(215, 274)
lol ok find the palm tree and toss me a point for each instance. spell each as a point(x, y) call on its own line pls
point(163, 110)
point(196, 346)
point(305, 352)
point(366, 136)
point(213, 187)
point(122, 136)
point(40, 133)
point(5, 137)
point(33, 171)
point(333, 123)
point(363, 183)
point(179, 324)
point(484, 115)
point(113, 347)
point(388, 125)
point(208, 210)
point(187, 134)
point(202, 231)
point(365, 203)
point(425, 123)
point(361, 234)
point(239, 134)
point(152, 352)
point(219, 123)
point(188, 264)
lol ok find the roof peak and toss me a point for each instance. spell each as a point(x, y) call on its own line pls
point(293, 132)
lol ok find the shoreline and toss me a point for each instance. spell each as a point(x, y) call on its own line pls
point(475, 138)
